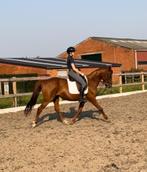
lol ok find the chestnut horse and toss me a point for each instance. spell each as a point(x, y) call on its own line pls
point(55, 87)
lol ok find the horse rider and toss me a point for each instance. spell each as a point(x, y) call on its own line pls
point(75, 74)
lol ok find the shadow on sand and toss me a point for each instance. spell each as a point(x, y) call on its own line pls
point(86, 114)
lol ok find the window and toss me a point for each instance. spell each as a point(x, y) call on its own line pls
point(92, 57)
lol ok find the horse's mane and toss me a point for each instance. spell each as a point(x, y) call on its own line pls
point(91, 73)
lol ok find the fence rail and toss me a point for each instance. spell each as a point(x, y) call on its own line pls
point(14, 80)
point(121, 84)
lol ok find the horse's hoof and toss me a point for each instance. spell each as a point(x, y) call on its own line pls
point(73, 121)
point(108, 121)
point(77, 119)
point(34, 124)
point(105, 117)
point(67, 122)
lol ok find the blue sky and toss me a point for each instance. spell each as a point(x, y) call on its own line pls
point(47, 27)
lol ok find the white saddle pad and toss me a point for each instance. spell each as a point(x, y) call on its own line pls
point(72, 87)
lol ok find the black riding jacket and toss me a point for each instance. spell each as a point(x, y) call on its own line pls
point(70, 61)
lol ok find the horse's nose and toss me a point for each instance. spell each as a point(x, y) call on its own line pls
point(108, 85)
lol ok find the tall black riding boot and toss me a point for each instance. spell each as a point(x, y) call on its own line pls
point(82, 100)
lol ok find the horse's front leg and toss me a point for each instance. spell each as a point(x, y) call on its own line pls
point(76, 116)
point(57, 109)
point(95, 103)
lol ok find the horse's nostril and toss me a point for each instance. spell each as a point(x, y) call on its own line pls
point(108, 85)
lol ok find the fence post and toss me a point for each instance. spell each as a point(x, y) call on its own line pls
point(125, 79)
point(6, 88)
point(14, 92)
point(0, 88)
point(120, 82)
point(142, 80)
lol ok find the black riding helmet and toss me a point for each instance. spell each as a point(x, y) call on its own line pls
point(70, 50)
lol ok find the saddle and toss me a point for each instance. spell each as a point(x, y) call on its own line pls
point(73, 86)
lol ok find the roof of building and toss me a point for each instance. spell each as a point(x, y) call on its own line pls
point(136, 44)
point(54, 63)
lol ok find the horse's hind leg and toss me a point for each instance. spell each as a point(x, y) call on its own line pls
point(95, 103)
point(39, 110)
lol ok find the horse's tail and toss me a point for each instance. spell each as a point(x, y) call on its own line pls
point(33, 99)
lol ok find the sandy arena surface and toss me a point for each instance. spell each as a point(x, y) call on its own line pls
point(90, 145)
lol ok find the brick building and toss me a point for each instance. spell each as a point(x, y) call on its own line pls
point(130, 53)
point(12, 66)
